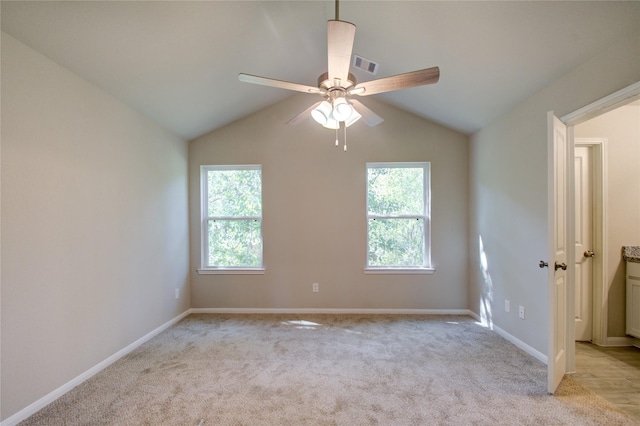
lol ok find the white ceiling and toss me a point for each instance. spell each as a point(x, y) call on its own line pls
point(177, 62)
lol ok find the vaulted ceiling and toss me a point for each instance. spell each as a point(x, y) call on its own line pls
point(177, 61)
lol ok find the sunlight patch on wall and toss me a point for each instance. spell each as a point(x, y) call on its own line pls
point(486, 298)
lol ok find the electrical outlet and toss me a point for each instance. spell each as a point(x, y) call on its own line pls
point(507, 306)
point(177, 293)
point(521, 312)
point(315, 287)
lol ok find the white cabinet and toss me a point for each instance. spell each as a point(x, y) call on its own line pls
point(633, 299)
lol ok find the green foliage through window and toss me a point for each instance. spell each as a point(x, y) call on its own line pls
point(398, 215)
point(396, 191)
point(396, 242)
point(234, 193)
point(234, 243)
point(233, 216)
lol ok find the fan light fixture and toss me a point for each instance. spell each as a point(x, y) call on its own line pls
point(341, 109)
point(331, 114)
point(322, 113)
point(334, 111)
point(332, 124)
point(353, 118)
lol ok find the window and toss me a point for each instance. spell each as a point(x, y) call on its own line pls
point(398, 217)
point(231, 218)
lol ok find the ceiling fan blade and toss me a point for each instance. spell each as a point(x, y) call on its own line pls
point(340, 36)
point(303, 115)
point(369, 117)
point(248, 78)
point(397, 82)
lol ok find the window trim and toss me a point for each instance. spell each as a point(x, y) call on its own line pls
point(205, 218)
point(427, 267)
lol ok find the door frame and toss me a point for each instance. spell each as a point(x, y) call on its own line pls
point(599, 107)
point(599, 310)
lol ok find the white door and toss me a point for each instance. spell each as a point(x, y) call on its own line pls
point(584, 244)
point(557, 251)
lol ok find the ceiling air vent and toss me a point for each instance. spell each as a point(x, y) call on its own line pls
point(365, 64)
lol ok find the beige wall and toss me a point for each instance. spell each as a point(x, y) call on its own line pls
point(314, 212)
point(508, 208)
point(94, 226)
point(621, 127)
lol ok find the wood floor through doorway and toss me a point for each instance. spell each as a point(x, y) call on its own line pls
point(611, 372)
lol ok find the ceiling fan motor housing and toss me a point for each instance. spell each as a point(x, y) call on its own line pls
point(325, 83)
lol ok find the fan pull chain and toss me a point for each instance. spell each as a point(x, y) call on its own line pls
point(341, 125)
point(345, 138)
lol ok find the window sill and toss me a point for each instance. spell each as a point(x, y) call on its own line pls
point(400, 271)
point(221, 271)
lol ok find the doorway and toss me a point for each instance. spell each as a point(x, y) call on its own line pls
point(584, 247)
point(561, 330)
point(589, 192)
point(618, 141)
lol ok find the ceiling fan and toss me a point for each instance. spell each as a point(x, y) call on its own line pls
point(338, 87)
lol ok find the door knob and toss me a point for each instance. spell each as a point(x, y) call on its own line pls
point(562, 266)
point(589, 253)
point(543, 264)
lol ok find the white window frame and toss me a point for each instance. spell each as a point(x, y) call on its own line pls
point(427, 267)
point(205, 218)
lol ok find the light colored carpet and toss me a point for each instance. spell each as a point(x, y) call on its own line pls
point(327, 370)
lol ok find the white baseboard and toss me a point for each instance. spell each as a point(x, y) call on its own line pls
point(475, 316)
point(519, 343)
point(522, 345)
point(330, 311)
point(57, 393)
point(619, 341)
